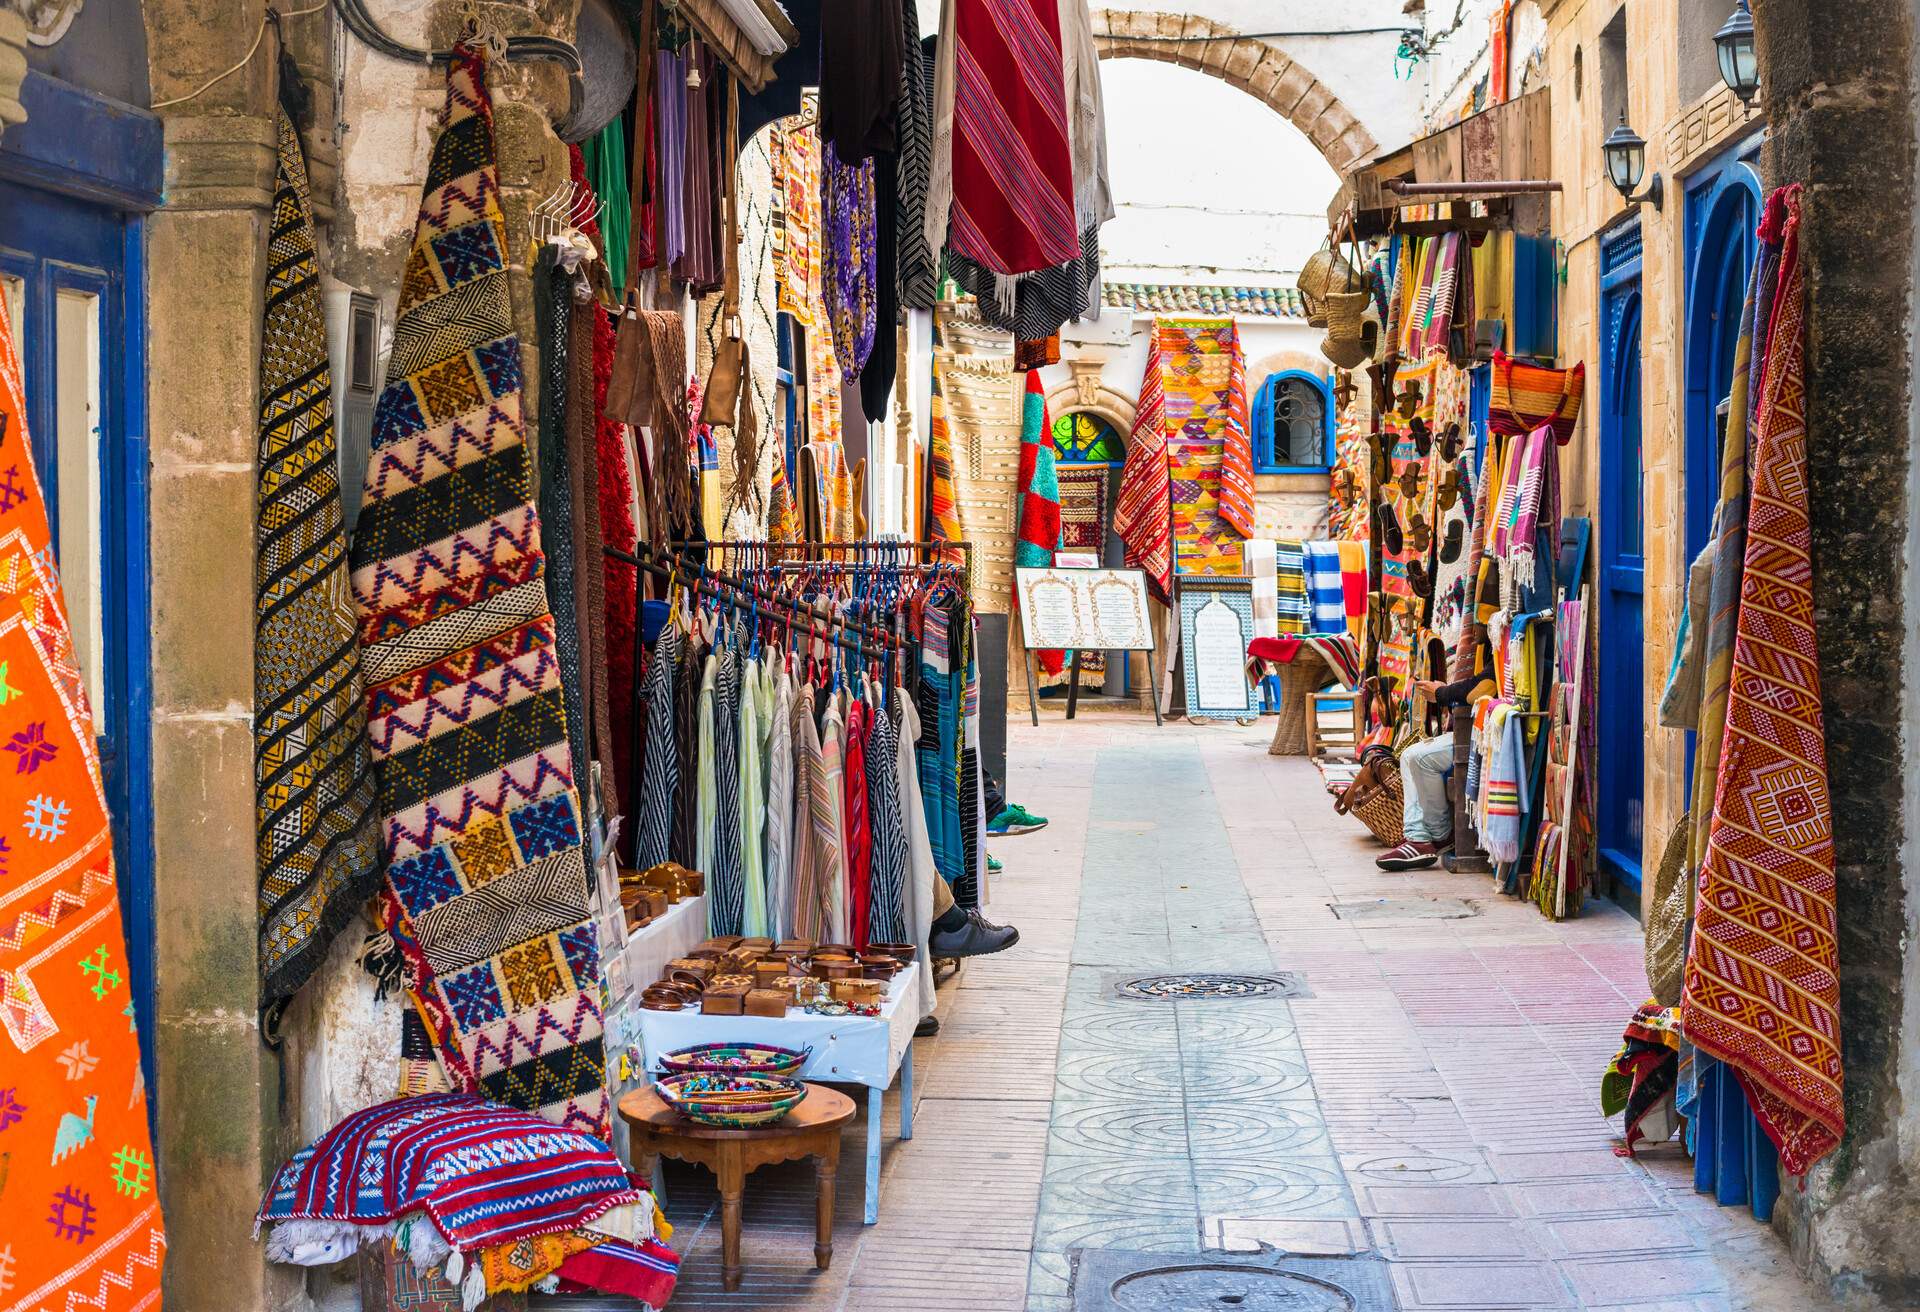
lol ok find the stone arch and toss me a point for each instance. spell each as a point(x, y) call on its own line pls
point(1261, 70)
point(1084, 393)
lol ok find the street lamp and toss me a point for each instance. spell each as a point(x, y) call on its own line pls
point(1739, 60)
point(1626, 156)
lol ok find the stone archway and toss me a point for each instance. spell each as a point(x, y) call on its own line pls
point(1262, 70)
point(1084, 393)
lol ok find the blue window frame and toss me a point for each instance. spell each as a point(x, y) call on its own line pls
point(1293, 424)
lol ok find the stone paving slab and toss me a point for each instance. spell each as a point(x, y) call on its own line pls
point(1434, 1102)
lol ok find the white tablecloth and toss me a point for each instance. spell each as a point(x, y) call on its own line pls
point(848, 1049)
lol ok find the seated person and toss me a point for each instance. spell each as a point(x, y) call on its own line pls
point(1426, 810)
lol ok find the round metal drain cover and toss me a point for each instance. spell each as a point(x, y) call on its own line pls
point(1177, 988)
point(1225, 1288)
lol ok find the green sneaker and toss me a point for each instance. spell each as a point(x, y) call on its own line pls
point(993, 864)
point(1015, 820)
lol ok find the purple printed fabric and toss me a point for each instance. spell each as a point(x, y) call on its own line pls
point(670, 80)
point(850, 259)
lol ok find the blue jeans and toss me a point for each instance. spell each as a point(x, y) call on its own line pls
point(1427, 814)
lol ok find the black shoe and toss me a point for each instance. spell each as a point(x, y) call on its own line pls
point(975, 938)
point(927, 1028)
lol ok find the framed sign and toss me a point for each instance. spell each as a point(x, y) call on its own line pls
point(1083, 609)
point(1216, 623)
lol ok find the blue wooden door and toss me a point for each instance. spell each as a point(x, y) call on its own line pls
point(1723, 211)
point(71, 276)
point(1622, 569)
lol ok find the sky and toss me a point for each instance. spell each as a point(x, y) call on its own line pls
point(1206, 178)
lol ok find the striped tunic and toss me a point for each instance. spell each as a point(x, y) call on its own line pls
point(659, 770)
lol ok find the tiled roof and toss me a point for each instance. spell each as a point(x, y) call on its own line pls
point(1184, 298)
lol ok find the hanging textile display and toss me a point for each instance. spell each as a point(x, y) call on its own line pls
point(486, 879)
point(849, 259)
point(1761, 991)
point(943, 523)
point(918, 264)
point(759, 317)
point(1083, 507)
point(796, 150)
point(981, 399)
point(1039, 482)
point(66, 982)
point(1204, 394)
point(1143, 511)
point(316, 838)
point(1002, 177)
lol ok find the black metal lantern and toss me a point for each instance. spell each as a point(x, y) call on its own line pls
point(1739, 61)
point(1626, 158)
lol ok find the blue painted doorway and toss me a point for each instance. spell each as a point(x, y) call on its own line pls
point(76, 180)
point(1622, 568)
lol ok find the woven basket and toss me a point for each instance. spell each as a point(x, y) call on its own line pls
point(1324, 274)
point(1374, 798)
point(1525, 396)
point(1351, 336)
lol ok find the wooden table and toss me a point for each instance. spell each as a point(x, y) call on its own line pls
point(812, 1129)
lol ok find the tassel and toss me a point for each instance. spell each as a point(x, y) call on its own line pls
point(473, 1290)
point(1005, 293)
point(456, 1266)
point(381, 958)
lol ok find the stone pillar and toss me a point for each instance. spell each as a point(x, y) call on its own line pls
point(1838, 83)
point(218, 1088)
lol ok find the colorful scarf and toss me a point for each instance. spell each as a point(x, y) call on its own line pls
point(1294, 609)
point(1523, 534)
point(848, 259)
point(1761, 991)
point(1143, 511)
point(797, 176)
point(486, 879)
point(1505, 794)
point(317, 846)
point(72, 1093)
point(1324, 588)
point(1353, 584)
point(1038, 534)
point(1642, 1077)
point(1010, 162)
point(943, 496)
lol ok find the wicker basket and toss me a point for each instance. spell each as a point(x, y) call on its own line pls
point(1374, 798)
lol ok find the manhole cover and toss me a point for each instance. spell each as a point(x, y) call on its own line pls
point(1209, 985)
point(1219, 1287)
point(1113, 1280)
point(1406, 908)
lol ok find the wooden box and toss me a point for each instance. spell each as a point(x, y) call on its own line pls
point(866, 992)
point(767, 1002)
point(724, 1002)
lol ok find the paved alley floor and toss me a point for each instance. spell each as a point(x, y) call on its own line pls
point(1420, 1124)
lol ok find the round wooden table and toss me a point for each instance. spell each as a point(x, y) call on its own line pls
point(811, 1129)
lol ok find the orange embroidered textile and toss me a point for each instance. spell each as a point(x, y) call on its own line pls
point(1762, 990)
point(82, 1218)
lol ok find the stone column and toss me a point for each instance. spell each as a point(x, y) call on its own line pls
point(1838, 82)
point(218, 1088)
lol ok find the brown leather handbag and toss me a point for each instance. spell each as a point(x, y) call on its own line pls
point(1374, 798)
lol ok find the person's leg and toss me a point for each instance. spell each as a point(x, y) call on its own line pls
point(1005, 819)
point(1426, 816)
point(942, 898)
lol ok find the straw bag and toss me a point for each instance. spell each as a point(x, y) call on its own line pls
point(1353, 329)
point(1324, 274)
point(1374, 798)
point(1525, 396)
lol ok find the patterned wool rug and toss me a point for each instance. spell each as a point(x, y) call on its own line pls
point(1762, 989)
point(486, 888)
point(316, 835)
point(1201, 375)
point(78, 1166)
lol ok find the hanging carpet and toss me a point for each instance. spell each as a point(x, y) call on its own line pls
point(486, 879)
point(981, 399)
point(1142, 512)
point(1762, 992)
point(316, 839)
point(1202, 380)
point(1083, 507)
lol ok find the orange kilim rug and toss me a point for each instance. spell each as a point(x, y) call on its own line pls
point(79, 1218)
point(1762, 992)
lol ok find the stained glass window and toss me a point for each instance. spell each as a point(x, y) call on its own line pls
point(1088, 439)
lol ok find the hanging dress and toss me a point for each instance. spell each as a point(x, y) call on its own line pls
point(659, 768)
point(804, 917)
point(858, 842)
point(917, 900)
point(829, 820)
point(755, 707)
point(886, 920)
point(778, 839)
point(726, 884)
point(706, 785)
point(683, 843)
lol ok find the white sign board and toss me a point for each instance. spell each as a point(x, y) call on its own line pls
point(1083, 609)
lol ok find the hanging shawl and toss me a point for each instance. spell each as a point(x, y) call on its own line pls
point(943, 493)
point(486, 879)
point(81, 1155)
point(1143, 509)
point(1761, 992)
point(1038, 535)
point(797, 177)
point(1506, 787)
point(314, 798)
point(917, 264)
point(849, 258)
point(1002, 189)
point(1523, 535)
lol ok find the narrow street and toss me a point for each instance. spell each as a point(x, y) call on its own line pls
point(1428, 1105)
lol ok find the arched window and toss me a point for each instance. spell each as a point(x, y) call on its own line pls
point(1085, 438)
point(1293, 424)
